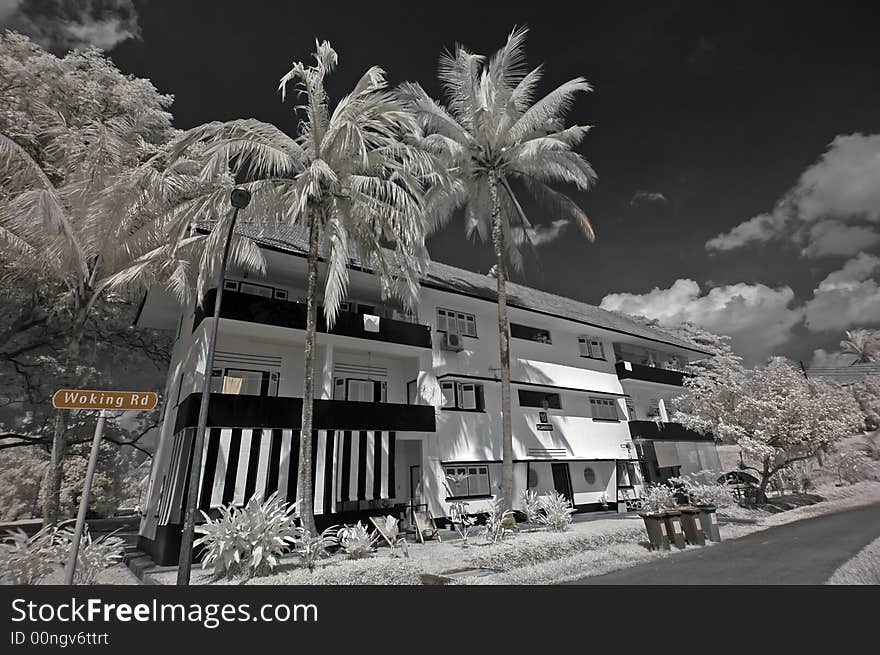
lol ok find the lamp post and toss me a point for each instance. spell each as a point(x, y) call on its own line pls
point(239, 198)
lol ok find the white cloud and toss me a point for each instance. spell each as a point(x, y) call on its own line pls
point(756, 317)
point(843, 186)
point(60, 26)
point(847, 297)
point(824, 359)
point(640, 197)
point(541, 235)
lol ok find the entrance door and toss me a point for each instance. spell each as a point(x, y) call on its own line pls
point(562, 481)
point(415, 485)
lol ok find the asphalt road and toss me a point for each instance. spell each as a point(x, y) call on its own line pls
point(804, 552)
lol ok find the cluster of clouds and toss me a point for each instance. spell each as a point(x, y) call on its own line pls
point(62, 25)
point(833, 213)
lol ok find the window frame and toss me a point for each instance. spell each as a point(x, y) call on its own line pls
point(267, 380)
point(533, 331)
point(447, 468)
point(458, 395)
point(458, 318)
point(598, 401)
point(546, 394)
point(588, 341)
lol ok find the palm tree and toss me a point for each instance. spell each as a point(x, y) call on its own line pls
point(496, 138)
point(863, 344)
point(105, 223)
point(349, 180)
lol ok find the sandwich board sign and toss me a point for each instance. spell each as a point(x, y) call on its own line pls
point(100, 401)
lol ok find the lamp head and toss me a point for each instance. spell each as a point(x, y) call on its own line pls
point(240, 198)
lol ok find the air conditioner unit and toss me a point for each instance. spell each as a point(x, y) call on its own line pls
point(452, 341)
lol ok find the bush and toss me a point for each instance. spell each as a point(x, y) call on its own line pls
point(27, 560)
point(498, 522)
point(356, 541)
point(658, 497)
point(853, 467)
point(315, 547)
point(700, 489)
point(93, 556)
point(248, 540)
point(531, 506)
point(556, 511)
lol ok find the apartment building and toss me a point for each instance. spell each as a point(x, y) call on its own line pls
point(407, 409)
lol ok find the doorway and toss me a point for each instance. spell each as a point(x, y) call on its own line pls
point(562, 481)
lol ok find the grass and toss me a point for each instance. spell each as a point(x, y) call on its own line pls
point(864, 568)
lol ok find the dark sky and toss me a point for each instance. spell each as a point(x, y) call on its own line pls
point(718, 109)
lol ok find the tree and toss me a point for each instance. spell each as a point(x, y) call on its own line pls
point(775, 415)
point(863, 345)
point(349, 180)
point(88, 203)
point(495, 137)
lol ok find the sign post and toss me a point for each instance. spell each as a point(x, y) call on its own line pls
point(103, 401)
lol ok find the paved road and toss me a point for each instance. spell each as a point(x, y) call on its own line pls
point(804, 552)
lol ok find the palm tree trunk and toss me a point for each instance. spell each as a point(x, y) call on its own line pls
point(305, 493)
point(55, 471)
point(504, 348)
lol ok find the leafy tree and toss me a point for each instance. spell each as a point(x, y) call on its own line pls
point(498, 140)
point(775, 415)
point(863, 345)
point(348, 179)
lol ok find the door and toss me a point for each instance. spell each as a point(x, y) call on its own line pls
point(562, 481)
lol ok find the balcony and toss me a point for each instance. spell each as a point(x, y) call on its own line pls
point(230, 410)
point(665, 432)
point(633, 371)
point(284, 313)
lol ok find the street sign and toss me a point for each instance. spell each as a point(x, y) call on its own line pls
point(95, 400)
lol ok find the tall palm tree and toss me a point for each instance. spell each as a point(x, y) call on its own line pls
point(499, 141)
point(104, 223)
point(348, 179)
point(862, 344)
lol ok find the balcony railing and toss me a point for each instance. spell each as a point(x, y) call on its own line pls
point(284, 313)
point(230, 410)
point(633, 371)
point(665, 431)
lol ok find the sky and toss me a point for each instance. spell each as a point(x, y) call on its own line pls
point(737, 148)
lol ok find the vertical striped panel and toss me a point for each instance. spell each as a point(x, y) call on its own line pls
point(334, 496)
point(370, 463)
point(379, 471)
point(329, 480)
point(362, 465)
point(386, 464)
point(392, 485)
point(238, 485)
point(293, 467)
point(345, 468)
point(222, 459)
point(274, 463)
point(319, 455)
point(284, 464)
point(232, 466)
point(353, 471)
point(250, 485)
point(263, 465)
point(209, 466)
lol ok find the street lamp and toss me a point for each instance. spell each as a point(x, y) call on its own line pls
point(239, 198)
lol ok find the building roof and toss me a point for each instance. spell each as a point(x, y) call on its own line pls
point(293, 239)
point(844, 374)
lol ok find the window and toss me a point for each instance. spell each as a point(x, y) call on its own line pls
point(630, 408)
point(256, 289)
point(412, 389)
point(626, 474)
point(529, 333)
point(243, 382)
point(456, 322)
point(604, 409)
point(359, 390)
point(589, 475)
point(463, 395)
point(592, 348)
point(467, 481)
point(230, 285)
point(538, 398)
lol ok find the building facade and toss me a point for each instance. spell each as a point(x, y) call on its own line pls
point(407, 409)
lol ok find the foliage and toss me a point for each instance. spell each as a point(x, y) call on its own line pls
point(27, 560)
point(531, 505)
point(499, 521)
point(93, 556)
point(392, 529)
point(658, 497)
point(315, 547)
point(556, 511)
point(863, 345)
point(867, 395)
point(498, 142)
point(773, 413)
point(248, 540)
point(357, 541)
point(852, 467)
point(701, 488)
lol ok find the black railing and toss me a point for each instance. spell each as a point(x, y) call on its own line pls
point(665, 432)
point(633, 371)
point(283, 313)
point(231, 410)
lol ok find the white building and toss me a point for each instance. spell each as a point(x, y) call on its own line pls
point(403, 400)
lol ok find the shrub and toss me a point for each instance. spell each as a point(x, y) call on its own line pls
point(658, 497)
point(700, 489)
point(853, 467)
point(531, 506)
point(315, 547)
point(248, 540)
point(356, 541)
point(556, 511)
point(93, 556)
point(461, 520)
point(27, 560)
point(392, 529)
point(498, 521)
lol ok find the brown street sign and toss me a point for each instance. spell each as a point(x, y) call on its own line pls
point(118, 400)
